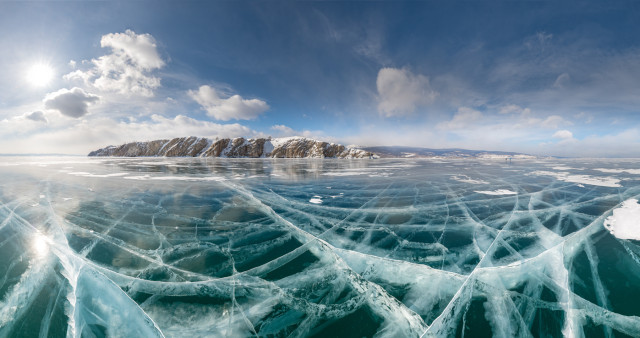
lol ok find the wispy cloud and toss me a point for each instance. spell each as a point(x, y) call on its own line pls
point(465, 117)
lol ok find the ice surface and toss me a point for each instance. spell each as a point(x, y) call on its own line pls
point(333, 248)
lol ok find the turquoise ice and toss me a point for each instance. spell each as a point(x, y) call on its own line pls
point(187, 247)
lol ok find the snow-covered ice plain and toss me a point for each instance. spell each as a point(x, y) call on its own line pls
point(181, 247)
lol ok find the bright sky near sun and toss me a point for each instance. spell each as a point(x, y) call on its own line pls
point(541, 77)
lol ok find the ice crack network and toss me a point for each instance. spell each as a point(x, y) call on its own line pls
point(183, 247)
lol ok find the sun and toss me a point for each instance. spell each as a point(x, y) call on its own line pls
point(39, 75)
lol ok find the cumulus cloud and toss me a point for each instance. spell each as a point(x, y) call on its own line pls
point(563, 135)
point(231, 108)
point(73, 103)
point(127, 69)
point(464, 117)
point(139, 49)
point(400, 92)
point(35, 116)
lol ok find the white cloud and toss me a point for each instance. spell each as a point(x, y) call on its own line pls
point(525, 119)
point(464, 117)
point(554, 121)
point(622, 144)
point(35, 116)
point(21, 125)
point(538, 41)
point(231, 108)
point(513, 108)
point(84, 135)
point(400, 92)
point(126, 70)
point(73, 103)
point(561, 81)
point(563, 135)
point(284, 131)
point(139, 49)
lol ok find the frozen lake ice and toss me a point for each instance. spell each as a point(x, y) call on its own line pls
point(182, 247)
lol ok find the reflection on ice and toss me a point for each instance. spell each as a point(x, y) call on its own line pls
point(39, 245)
point(297, 248)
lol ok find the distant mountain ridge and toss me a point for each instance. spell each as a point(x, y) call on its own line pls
point(417, 152)
point(285, 147)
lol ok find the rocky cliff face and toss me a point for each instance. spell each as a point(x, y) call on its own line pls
point(287, 147)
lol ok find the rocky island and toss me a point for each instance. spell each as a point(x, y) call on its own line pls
point(284, 147)
point(288, 147)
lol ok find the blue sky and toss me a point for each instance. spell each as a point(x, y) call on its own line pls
point(551, 78)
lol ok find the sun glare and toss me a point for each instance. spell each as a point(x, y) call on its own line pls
point(40, 245)
point(40, 75)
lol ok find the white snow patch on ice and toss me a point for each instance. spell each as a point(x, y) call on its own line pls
point(619, 171)
point(349, 173)
point(564, 168)
point(177, 178)
point(497, 192)
point(380, 175)
point(316, 200)
point(86, 174)
point(467, 179)
point(584, 179)
point(155, 163)
point(625, 221)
